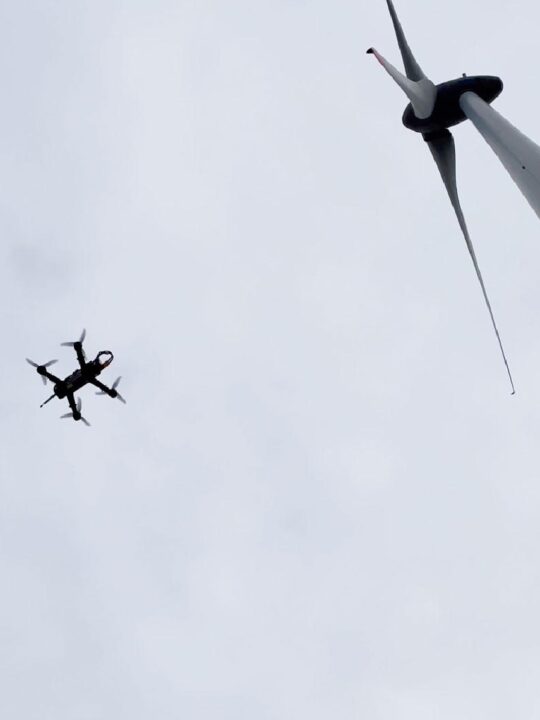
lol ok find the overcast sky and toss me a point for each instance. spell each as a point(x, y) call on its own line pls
point(321, 500)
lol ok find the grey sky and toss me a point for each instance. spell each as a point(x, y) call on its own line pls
point(321, 500)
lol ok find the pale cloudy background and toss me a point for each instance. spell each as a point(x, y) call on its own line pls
point(321, 500)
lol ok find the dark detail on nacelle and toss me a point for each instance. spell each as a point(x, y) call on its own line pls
point(447, 111)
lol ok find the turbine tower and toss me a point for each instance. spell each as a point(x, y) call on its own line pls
point(435, 108)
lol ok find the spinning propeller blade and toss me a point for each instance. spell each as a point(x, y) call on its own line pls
point(72, 415)
point(113, 387)
point(79, 408)
point(72, 343)
point(46, 365)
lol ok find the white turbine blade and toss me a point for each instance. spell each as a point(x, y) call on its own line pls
point(444, 153)
point(412, 68)
point(421, 93)
point(519, 155)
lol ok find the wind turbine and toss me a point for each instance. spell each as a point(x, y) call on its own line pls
point(435, 108)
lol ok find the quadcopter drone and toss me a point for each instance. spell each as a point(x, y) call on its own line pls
point(86, 374)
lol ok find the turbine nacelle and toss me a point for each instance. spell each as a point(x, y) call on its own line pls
point(436, 107)
point(447, 110)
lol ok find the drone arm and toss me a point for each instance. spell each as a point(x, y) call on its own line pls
point(72, 405)
point(80, 354)
point(45, 373)
point(103, 388)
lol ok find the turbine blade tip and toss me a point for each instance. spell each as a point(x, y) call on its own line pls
point(370, 51)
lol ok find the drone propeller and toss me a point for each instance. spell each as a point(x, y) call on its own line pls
point(72, 344)
point(79, 407)
point(45, 365)
point(114, 386)
point(72, 415)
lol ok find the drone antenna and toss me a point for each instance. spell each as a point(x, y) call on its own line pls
point(48, 400)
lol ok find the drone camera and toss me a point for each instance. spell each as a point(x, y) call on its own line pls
point(105, 358)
